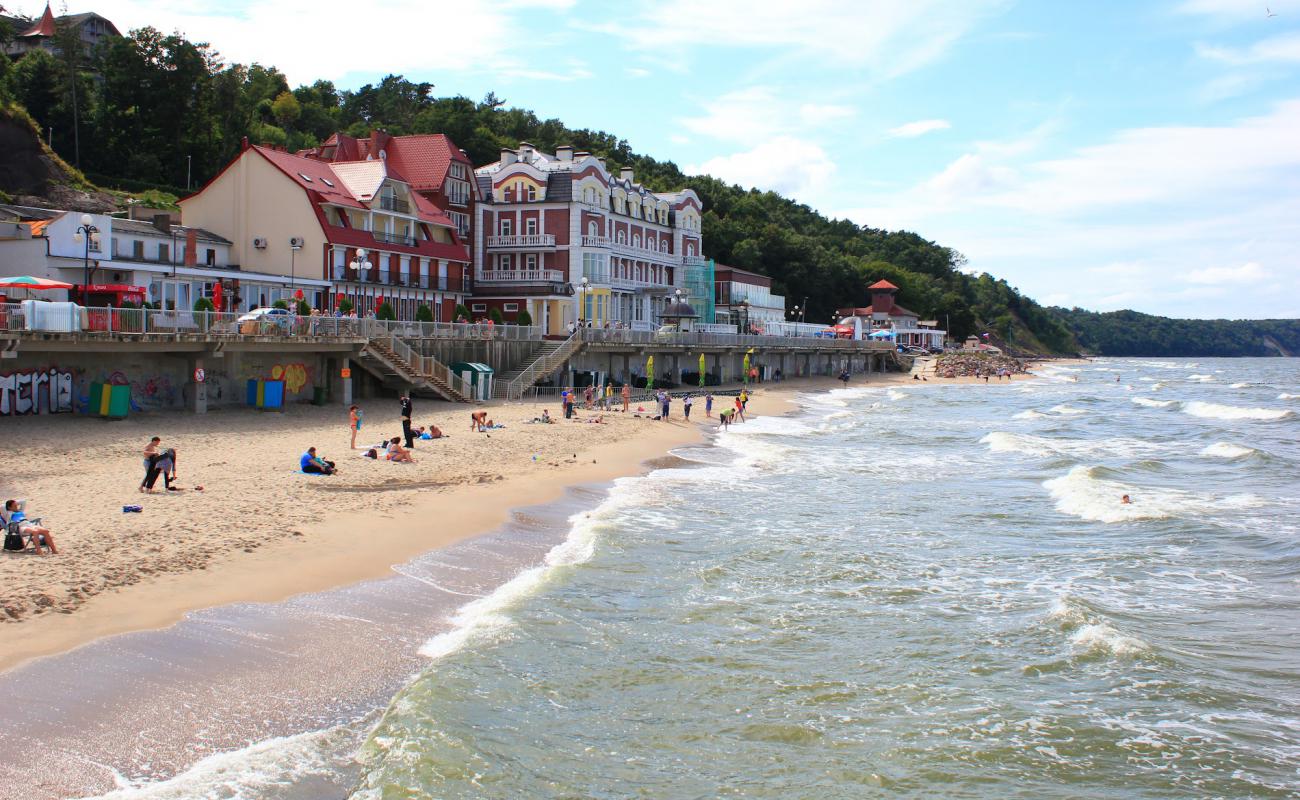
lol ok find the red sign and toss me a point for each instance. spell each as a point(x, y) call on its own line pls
point(345, 373)
point(199, 375)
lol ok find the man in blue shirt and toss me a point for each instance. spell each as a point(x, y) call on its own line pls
point(16, 514)
point(315, 465)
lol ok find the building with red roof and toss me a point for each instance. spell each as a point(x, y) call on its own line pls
point(39, 35)
point(884, 314)
point(359, 224)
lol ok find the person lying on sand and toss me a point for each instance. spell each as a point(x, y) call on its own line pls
point(398, 453)
point(313, 464)
point(432, 432)
point(15, 512)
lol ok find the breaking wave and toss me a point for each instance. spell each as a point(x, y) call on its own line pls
point(1228, 450)
point(1149, 403)
point(1215, 411)
point(1092, 493)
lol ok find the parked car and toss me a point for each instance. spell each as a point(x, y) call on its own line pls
point(265, 320)
point(260, 313)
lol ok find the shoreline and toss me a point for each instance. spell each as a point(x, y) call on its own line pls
point(349, 547)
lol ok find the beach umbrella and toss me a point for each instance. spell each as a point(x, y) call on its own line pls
point(29, 282)
point(703, 367)
point(745, 368)
point(650, 373)
point(217, 291)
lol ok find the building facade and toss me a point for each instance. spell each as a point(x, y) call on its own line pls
point(91, 28)
point(559, 236)
point(745, 298)
point(356, 226)
point(884, 317)
point(170, 265)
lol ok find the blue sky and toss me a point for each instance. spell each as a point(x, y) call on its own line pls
point(1106, 154)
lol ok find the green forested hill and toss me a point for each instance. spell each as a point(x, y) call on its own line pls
point(158, 111)
point(1128, 333)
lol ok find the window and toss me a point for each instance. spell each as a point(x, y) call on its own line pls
point(304, 177)
point(508, 307)
point(506, 262)
point(589, 196)
point(532, 193)
point(210, 257)
point(530, 261)
point(457, 170)
point(593, 229)
point(462, 223)
point(478, 308)
point(622, 237)
point(636, 241)
point(458, 191)
point(137, 250)
point(506, 227)
point(164, 252)
point(530, 226)
point(327, 182)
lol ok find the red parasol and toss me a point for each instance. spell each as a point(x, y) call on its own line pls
point(298, 294)
point(217, 292)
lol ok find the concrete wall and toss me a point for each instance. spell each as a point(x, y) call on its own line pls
point(158, 382)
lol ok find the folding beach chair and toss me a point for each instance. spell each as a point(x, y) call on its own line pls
point(16, 540)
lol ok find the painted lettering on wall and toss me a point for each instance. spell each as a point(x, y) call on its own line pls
point(44, 391)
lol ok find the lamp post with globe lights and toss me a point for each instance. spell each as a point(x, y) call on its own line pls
point(360, 263)
point(88, 234)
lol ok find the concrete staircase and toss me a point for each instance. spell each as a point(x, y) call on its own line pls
point(546, 359)
point(396, 364)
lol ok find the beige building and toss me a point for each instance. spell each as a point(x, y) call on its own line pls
point(357, 226)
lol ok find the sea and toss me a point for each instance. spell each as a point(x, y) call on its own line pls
point(910, 591)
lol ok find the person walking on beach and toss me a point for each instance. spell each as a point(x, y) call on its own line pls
point(708, 404)
point(686, 407)
point(354, 424)
point(150, 459)
point(740, 409)
point(627, 396)
point(744, 399)
point(406, 420)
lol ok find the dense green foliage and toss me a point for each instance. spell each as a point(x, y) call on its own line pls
point(155, 109)
point(1128, 333)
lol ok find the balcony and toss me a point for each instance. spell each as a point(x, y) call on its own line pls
point(495, 276)
point(458, 198)
point(394, 238)
point(393, 204)
point(612, 279)
point(595, 241)
point(645, 253)
point(524, 241)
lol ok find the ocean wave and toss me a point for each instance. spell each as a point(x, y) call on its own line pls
point(895, 394)
point(1238, 385)
point(1285, 396)
point(1027, 444)
point(258, 769)
point(1200, 378)
point(1149, 403)
point(1030, 414)
point(1067, 410)
point(1215, 411)
point(1090, 631)
point(1158, 385)
point(1090, 493)
point(1228, 450)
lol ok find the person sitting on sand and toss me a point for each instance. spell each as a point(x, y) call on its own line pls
point(16, 512)
point(546, 416)
point(398, 453)
point(477, 420)
point(313, 464)
point(432, 432)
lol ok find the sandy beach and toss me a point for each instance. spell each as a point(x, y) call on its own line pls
point(260, 530)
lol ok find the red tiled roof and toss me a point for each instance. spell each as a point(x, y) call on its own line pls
point(422, 159)
point(896, 311)
point(44, 27)
point(319, 172)
point(883, 285)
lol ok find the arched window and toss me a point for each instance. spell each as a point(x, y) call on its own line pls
point(532, 192)
point(593, 229)
point(690, 250)
point(622, 237)
point(636, 241)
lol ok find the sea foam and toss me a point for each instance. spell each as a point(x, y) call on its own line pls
point(1149, 403)
point(1067, 410)
point(1285, 396)
point(1088, 493)
point(1215, 411)
point(1227, 450)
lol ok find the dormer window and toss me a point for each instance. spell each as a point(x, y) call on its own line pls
point(532, 193)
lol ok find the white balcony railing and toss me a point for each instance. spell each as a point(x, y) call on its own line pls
point(519, 276)
point(611, 278)
point(521, 241)
point(595, 241)
point(622, 248)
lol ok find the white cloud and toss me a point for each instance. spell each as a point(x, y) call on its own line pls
point(890, 37)
point(791, 166)
point(1231, 9)
point(919, 128)
point(1284, 49)
point(757, 114)
point(638, 72)
point(307, 40)
point(1250, 271)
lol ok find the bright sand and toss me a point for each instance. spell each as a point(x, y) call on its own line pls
point(260, 531)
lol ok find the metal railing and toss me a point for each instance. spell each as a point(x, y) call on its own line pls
point(394, 238)
point(522, 240)
point(710, 339)
point(543, 365)
point(394, 204)
point(519, 276)
point(428, 366)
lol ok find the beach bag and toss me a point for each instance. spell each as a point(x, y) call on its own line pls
point(13, 540)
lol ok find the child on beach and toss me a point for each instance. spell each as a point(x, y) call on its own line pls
point(354, 424)
point(708, 404)
point(740, 408)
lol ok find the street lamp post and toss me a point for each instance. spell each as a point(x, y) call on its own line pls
point(744, 306)
point(584, 289)
point(294, 247)
point(88, 234)
point(360, 263)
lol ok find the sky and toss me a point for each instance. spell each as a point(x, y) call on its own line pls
point(1107, 154)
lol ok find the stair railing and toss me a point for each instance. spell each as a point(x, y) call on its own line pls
point(543, 365)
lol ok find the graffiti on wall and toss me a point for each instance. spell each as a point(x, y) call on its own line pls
point(295, 376)
point(36, 391)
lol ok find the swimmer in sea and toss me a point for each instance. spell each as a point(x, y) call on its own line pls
point(1125, 501)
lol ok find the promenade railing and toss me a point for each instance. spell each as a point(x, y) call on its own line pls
point(429, 366)
point(710, 339)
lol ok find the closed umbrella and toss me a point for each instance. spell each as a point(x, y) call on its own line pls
point(217, 296)
point(745, 369)
point(650, 373)
point(703, 366)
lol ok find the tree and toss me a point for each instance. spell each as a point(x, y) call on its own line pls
point(424, 314)
point(494, 314)
point(286, 109)
point(280, 304)
point(345, 306)
point(523, 317)
point(461, 313)
point(303, 308)
point(385, 311)
point(204, 304)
